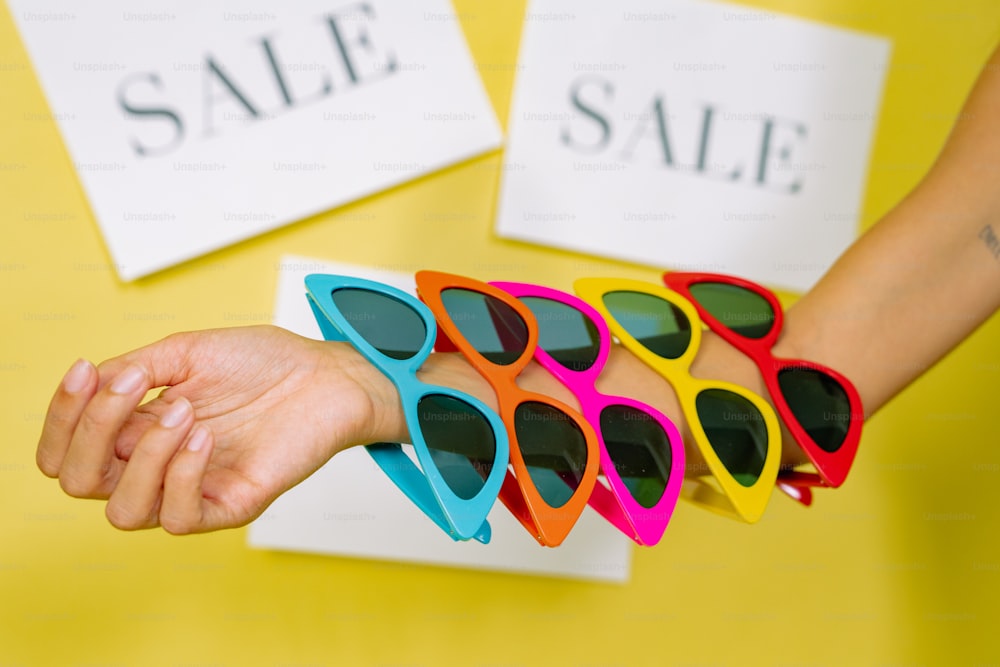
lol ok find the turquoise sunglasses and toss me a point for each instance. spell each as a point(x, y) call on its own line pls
point(461, 446)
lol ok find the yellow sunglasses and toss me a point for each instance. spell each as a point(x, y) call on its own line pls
point(736, 431)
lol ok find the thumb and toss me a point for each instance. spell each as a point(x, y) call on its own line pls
point(166, 362)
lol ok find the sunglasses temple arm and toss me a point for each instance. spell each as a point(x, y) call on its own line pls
point(798, 485)
point(398, 467)
point(802, 494)
point(703, 494)
point(326, 327)
point(603, 501)
point(513, 499)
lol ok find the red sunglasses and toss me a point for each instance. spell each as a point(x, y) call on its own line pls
point(819, 406)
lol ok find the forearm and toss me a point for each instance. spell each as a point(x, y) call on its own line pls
point(924, 277)
point(898, 300)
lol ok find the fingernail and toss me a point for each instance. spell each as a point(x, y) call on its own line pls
point(129, 380)
point(198, 439)
point(77, 376)
point(175, 414)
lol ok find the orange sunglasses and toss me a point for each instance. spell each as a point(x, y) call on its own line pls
point(554, 454)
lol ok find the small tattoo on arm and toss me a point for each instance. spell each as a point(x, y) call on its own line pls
point(991, 240)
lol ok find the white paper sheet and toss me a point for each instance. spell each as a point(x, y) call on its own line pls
point(195, 125)
point(690, 135)
point(350, 508)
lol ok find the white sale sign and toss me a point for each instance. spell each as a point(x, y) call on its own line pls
point(690, 134)
point(195, 125)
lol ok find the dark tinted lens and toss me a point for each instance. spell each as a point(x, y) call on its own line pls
point(553, 448)
point(737, 432)
point(460, 440)
point(492, 327)
point(569, 336)
point(657, 324)
point(389, 325)
point(819, 404)
point(742, 310)
point(640, 451)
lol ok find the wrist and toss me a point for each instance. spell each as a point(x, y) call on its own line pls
point(379, 411)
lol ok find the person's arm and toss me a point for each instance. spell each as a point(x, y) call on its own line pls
point(924, 277)
point(256, 410)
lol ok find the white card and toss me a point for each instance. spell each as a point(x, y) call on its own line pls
point(195, 125)
point(691, 135)
point(349, 507)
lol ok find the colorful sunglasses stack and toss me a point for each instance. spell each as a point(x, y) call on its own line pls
point(544, 460)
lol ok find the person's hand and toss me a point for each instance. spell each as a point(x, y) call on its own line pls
point(247, 413)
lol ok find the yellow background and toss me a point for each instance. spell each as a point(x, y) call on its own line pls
point(901, 566)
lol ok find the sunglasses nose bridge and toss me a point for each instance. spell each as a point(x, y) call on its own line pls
point(588, 376)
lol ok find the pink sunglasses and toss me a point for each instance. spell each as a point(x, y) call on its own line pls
point(641, 451)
